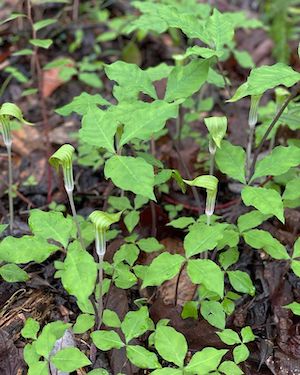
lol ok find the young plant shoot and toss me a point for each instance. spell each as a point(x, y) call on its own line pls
point(217, 127)
point(8, 111)
point(63, 157)
point(102, 221)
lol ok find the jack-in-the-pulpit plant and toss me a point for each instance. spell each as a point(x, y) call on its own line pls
point(217, 127)
point(210, 183)
point(7, 112)
point(63, 157)
point(102, 221)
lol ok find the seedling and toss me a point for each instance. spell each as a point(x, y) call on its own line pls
point(102, 221)
point(63, 157)
point(7, 111)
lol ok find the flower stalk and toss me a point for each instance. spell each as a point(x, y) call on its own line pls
point(63, 158)
point(102, 221)
point(252, 121)
point(8, 111)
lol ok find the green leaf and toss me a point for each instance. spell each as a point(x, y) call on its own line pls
point(267, 201)
point(131, 77)
point(91, 79)
point(278, 162)
point(25, 249)
point(51, 225)
point(202, 238)
point(82, 104)
point(229, 257)
point(296, 252)
point(240, 353)
point(213, 312)
point(106, 340)
point(133, 174)
point(136, 323)
point(229, 337)
point(111, 319)
point(30, 355)
point(98, 129)
point(149, 245)
point(181, 222)
point(12, 273)
point(12, 17)
point(50, 334)
point(185, 80)
point(127, 252)
point(83, 323)
point(167, 371)
point(156, 73)
point(244, 59)
point(43, 23)
point(260, 239)
point(190, 310)
point(204, 52)
point(295, 266)
point(217, 127)
point(251, 220)
point(230, 368)
point(142, 120)
point(70, 359)
point(171, 345)
point(207, 273)
point(208, 359)
point(241, 282)
point(292, 190)
point(231, 160)
point(266, 77)
point(30, 329)
point(131, 220)
point(295, 307)
point(39, 368)
point(218, 30)
point(164, 267)
point(98, 371)
point(42, 43)
point(247, 335)
point(141, 357)
point(79, 272)
point(120, 203)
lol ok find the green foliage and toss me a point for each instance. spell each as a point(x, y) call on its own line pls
point(231, 160)
point(267, 201)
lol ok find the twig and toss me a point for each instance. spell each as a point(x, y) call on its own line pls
point(293, 94)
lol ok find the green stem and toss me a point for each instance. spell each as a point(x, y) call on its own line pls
point(10, 188)
point(75, 217)
point(249, 150)
point(100, 249)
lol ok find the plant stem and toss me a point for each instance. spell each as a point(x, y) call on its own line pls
point(249, 150)
point(10, 192)
point(100, 250)
point(294, 93)
point(211, 163)
point(100, 299)
point(73, 209)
